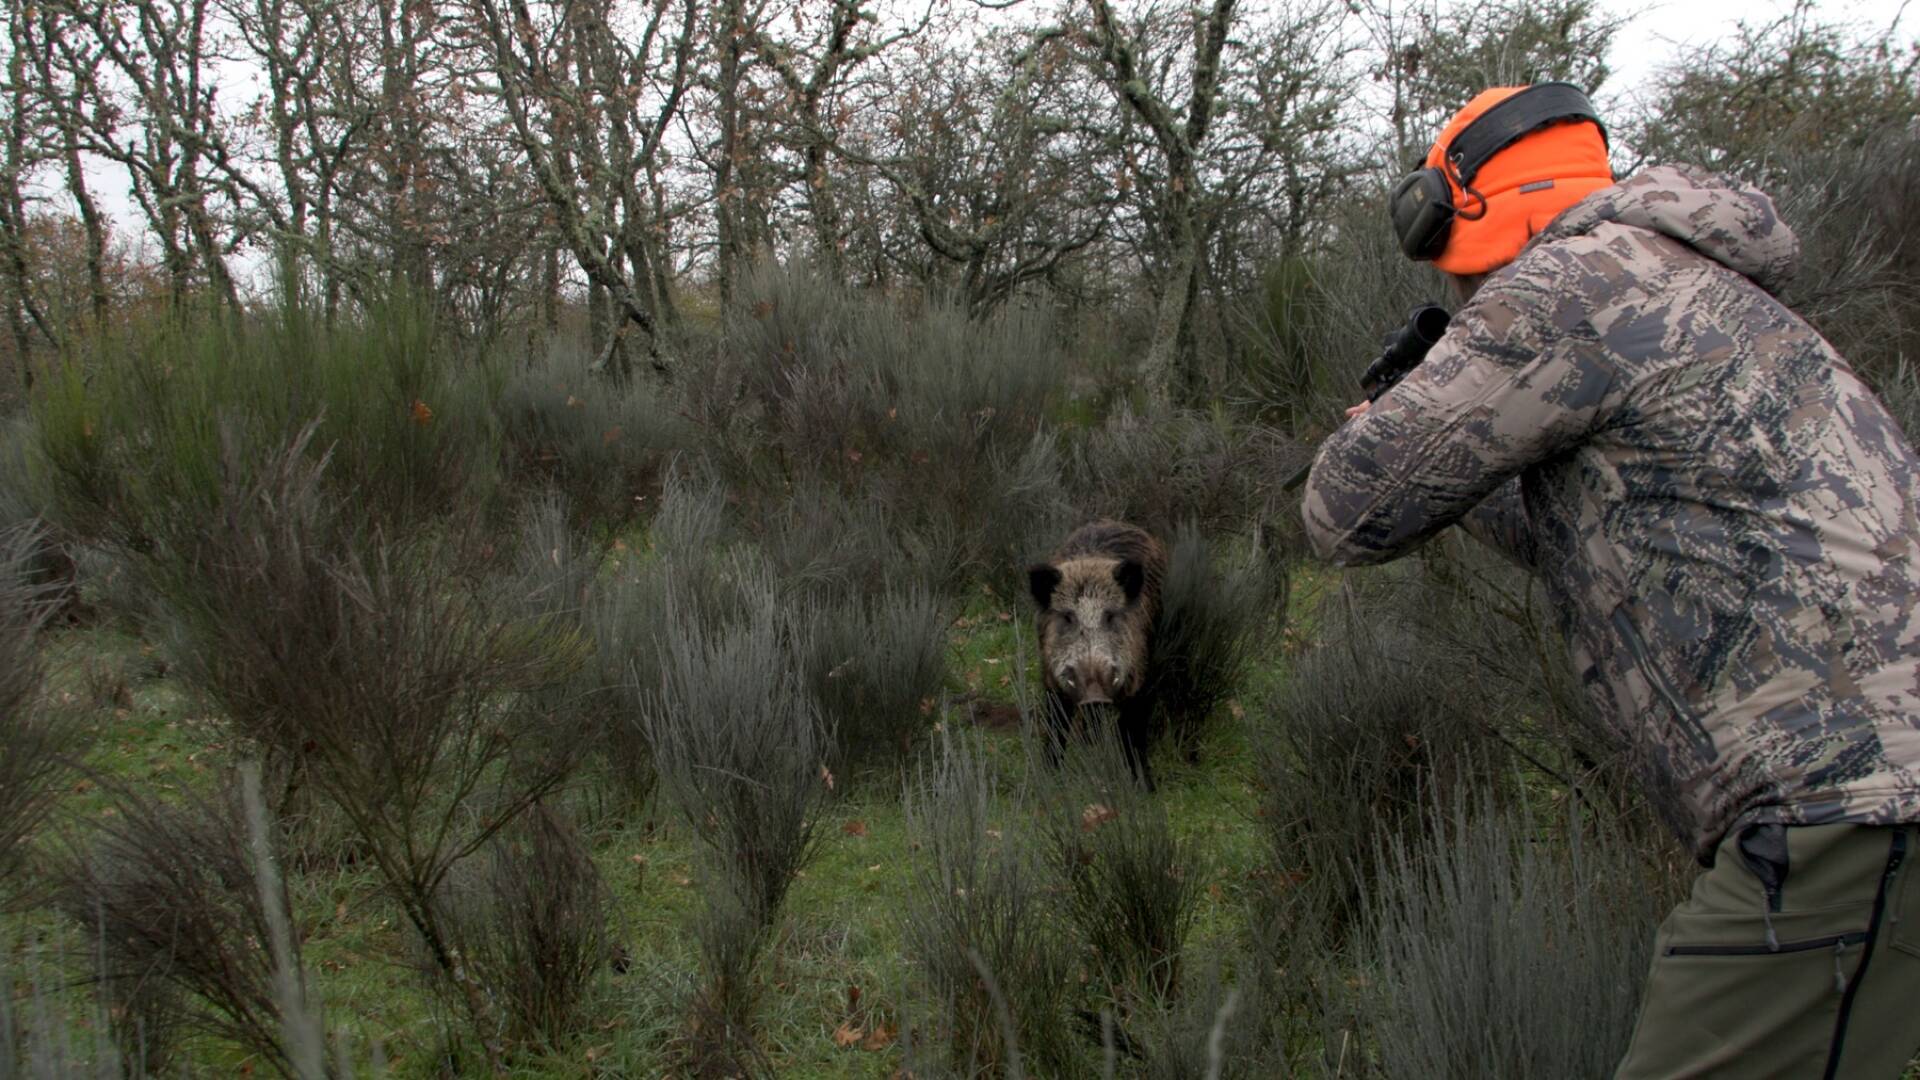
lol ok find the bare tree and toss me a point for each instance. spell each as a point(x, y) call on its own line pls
point(317, 122)
point(1216, 100)
point(734, 151)
point(576, 85)
point(1175, 108)
point(1433, 59)
point(1001, 157)
point(817, 66)
point(65, 104)
point(146, 69)
point(19, 158)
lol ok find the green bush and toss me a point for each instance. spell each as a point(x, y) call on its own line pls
point(150, 423)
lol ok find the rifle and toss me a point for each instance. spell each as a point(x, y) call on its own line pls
point(1400, 352)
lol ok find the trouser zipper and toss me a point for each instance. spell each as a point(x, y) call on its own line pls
point(1896, 854)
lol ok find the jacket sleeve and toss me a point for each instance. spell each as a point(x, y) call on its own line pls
point(1518, 378)
point(1500, 522)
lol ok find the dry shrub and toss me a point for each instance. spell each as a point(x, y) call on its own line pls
point(45, 1035)
point(399, 689)
point(874, 668)
point(1854, 210)
point(1162, 471)
point(1131, 887)
point(1370, 725)
point(561, 577)
point(186, 927)
point(34, 737)
point(1215, 618)
point(983, 943)
point(926, 413)
point(1496, 954)
point(530, 912)
point(1301, 340)
point(601, 440)
point(742, 754)
point(835, 546)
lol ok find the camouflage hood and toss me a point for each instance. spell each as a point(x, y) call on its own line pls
point(1734, 225)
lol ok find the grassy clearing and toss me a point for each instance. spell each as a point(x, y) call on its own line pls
point(836, 972)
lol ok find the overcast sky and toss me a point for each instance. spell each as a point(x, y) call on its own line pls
point(1661, 28)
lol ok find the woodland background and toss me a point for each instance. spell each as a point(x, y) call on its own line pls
point(512, 537)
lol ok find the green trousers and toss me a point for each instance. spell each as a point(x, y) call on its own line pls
point(1798, 955)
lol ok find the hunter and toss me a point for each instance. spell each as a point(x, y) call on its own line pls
point(1725, 520)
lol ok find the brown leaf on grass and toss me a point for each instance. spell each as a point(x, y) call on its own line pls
point(1096, 815)
point(854, 828)
point(880, 1037)
point(847, 1034)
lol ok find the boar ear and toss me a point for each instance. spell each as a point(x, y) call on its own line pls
point(1043, 578)
point(1132, 578)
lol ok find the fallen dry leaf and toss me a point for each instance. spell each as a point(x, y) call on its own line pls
point(854, 828)
point(880, 1037)
point(847, 1034)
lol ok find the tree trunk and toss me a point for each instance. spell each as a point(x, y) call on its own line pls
point(550, 289)
point(1167, 369)
point(726, 193)
point(826, 211)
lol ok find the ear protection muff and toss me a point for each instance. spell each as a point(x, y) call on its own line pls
point(1421, 204)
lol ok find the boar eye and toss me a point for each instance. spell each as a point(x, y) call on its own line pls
point(1111, 617)
point(1066, 618)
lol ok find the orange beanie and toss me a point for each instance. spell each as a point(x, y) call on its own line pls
point(1525, 186)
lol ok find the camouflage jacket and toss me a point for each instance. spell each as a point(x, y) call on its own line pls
point(1722, 514)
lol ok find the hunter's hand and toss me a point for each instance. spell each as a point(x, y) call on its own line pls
point(1358, 410)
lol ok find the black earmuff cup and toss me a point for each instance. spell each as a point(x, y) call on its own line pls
point(1422, 210)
